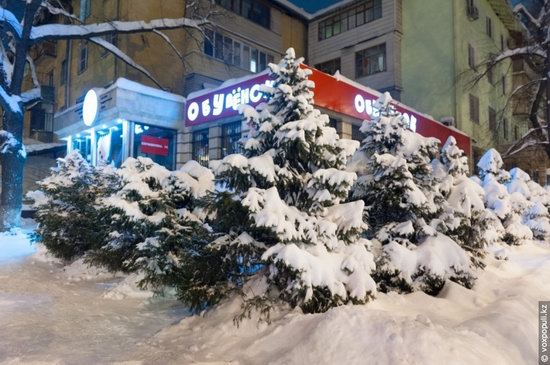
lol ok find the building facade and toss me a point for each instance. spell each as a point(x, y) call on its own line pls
point(432, 63)
point(429, 54)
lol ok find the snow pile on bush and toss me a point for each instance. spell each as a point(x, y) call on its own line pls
point(403, 195)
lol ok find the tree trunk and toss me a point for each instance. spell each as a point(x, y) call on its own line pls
point(13, 163)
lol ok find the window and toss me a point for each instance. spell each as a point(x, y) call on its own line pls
point(516, 132)
point(109, 146)
point(503, 85)
point(63, 76)
point(502, 42)
point(474, 109)
point(111, 38)
point(156, 143)
point(231, 135)
point(82, 143)
point(361, 14)
point(85, 9)
point(489, 27)
point(333, 123)
point(356, 133)
point(492, 119)
point(505, 128)
point(370, 61)
point(50, 78)
point(471, 56)
point(329, 67)
point(255, 11)
point(490, 74)
point(208, 46)
point(235, 53)
point(517, 65)
point(200, 147)
point(83, 57)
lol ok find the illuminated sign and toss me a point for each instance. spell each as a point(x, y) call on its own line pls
point(90, 107)
point(155, 145)
point(340, 95)
point(225, 102)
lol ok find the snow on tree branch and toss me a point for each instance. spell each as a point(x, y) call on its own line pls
point(10, 144)
point(68, 31)
point(10, 102)
point(522, 51)
point(124, 57)
point(8, 19)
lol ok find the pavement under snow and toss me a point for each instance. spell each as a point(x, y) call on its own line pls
point(75, 315)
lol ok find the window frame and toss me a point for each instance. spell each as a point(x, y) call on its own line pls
point(360, 58)
point(83, 53)
point(340, 22)
point(474, 108)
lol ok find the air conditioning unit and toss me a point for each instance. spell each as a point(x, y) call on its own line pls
point(471, 10)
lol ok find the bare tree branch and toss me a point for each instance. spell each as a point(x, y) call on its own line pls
point(124, 57)
point(70, 31)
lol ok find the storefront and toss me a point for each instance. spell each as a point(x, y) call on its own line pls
point(214, 125)
point(124, 120)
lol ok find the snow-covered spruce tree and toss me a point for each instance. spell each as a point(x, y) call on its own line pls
point(289, 191)
point(154, 222)
point(464, 218)
point(69, 224)
point(507, 207)
point(402, 196)
point(538, 220)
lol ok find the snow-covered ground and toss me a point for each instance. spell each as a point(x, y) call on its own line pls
point(74, 315)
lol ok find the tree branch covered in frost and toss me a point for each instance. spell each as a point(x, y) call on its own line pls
point(9, 144)
point(124, 57)
point(68, 31)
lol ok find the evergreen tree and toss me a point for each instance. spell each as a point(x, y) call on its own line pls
point(507, 207)
point(465, 218)
point(289, 190)
point(69, 224)
point(402, 195)
point(154, 221)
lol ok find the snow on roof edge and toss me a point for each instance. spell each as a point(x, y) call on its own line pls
point(123, 83)
point(226, 83)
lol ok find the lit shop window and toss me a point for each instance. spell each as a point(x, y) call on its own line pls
point(156, 143)
point(109, 146)
point(200, 147)
point(82, 143)
point(231, 135)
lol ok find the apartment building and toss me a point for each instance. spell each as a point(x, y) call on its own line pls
point(429, 54)
point(109, 111)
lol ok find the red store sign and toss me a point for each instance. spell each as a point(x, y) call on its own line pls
point(339, 95)
point(155, 145)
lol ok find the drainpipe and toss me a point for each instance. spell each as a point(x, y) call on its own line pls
point(115, 59)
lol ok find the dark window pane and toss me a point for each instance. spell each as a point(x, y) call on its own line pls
point(262, 61)
point(207, 44)
point(218, 45)
point(237, 54)
point(231, 135)
point(200, 147)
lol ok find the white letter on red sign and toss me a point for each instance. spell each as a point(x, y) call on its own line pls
point(359, 104)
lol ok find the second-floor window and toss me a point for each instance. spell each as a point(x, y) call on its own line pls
point(85, 9)
point(370, 61)
point(253, 10)
point(235, 53)
point(471, 56)
point(492, 119)
point(82, 57)
point(329, 67)
point(489, 27)
point(354, 17)
point(63, 76)
point(474, 108)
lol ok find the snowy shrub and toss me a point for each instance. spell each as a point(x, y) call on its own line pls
point(508, 207)
point(290, 223)
point(464, 217)
point(69, 224)
point(154, 220)
point(403, 192)
point(537, 219)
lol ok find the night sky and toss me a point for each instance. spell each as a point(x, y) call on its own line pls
point(312, 6)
